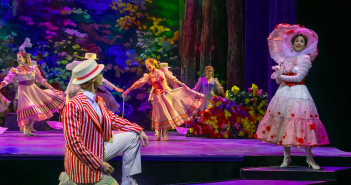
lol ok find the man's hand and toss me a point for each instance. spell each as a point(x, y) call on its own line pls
point(143, 138)
point(106, 168)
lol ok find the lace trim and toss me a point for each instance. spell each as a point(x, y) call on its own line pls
point(33, 70)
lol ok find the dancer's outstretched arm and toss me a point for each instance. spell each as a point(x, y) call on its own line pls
point(9, 78)
point(110, 86)
point(137, 84)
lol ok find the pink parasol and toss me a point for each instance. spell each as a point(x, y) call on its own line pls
point(55, 125)
point(280, 46)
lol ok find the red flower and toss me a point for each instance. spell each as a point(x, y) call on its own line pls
point(263, 132)
point(279, 113)
point(292, 115)
point(269, 111)
point(284, 137)
point(312, 126)
point(272, 136)
point(300, 140)
point(316, 115)
point(311, 115)
point(255, 136)
point(323, 137)
point(290, 31)
point(281, 142)
point(268, 128)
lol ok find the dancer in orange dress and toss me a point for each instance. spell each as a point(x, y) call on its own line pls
point(170, 107)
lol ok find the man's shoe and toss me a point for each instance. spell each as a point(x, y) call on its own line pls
point(129, 180)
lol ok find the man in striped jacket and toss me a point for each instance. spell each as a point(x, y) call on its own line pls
point(89, 142)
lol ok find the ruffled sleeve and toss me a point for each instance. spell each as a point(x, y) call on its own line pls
point(142, 81)
point(304, 66)
point(217, 86)
point(108, 84)
point(10, 77)
point(198, 85)
point(170, 78)
point(38, 77)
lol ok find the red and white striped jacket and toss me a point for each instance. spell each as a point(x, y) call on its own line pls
point(85, 136)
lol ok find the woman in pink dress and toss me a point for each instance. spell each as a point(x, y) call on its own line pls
point(292, 118)
point(34, 104)
point(170, 107)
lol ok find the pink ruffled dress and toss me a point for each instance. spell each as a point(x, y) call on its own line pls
point(292, 118)
point(170, 107)
point(33, 103)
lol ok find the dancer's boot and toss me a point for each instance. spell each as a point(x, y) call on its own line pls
point(309, 159)
point(287, 158)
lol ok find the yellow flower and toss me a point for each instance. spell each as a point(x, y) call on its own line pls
point(227, 114)
point(191, 130)
point(261, 112)
point(217, 104)
point(227, 94)
point(226, 136)
point(216, 131)
point(246, 101)
point(254, 89)
point(210, 106)
point(241, 133)
point(235, 90)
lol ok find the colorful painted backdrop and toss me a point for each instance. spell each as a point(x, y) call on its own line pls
point(123, 33)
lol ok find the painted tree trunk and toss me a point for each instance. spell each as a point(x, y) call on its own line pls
point(236, 50)
point(188, 68)
point(220, 33)
point(206, 35)
point(181, 23)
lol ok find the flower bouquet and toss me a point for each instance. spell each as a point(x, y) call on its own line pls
point(235, 116)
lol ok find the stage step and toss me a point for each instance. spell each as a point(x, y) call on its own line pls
point(263, 182)
point(296, 173)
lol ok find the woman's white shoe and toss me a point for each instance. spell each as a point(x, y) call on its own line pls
point(310, 161)
point(287, 158)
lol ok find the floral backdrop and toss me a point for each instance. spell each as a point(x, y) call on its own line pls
point(235, 117)
point(123, 33)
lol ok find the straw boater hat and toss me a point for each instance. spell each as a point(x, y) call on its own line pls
point(86, 71)
point(90, 56)
point(164, 65)
point(72, 65)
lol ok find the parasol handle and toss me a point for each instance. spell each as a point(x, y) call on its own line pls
point(123, 109)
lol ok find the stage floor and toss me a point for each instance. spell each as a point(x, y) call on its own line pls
point(52, 143)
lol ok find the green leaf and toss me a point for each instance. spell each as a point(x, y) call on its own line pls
point(64, 62)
